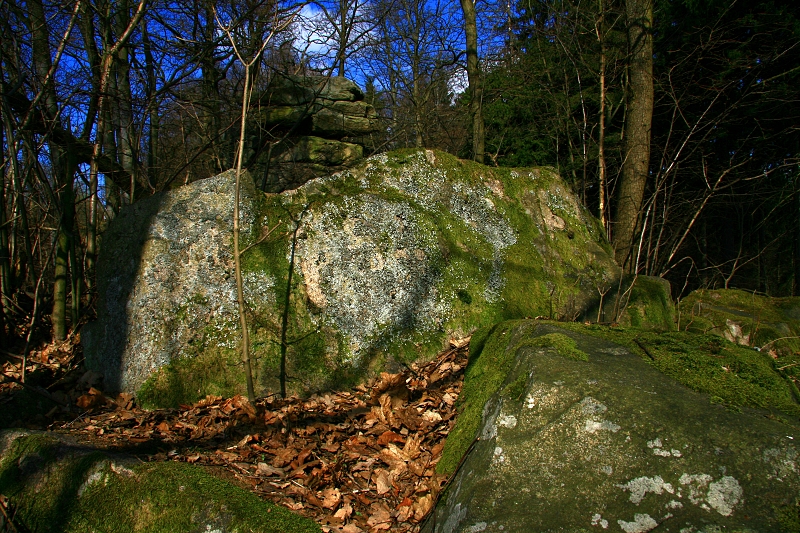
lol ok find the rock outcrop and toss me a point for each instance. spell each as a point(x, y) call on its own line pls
point(771, 324)
point(60, 485)
point(565, 430)
point(381, 264)
point(322, 124)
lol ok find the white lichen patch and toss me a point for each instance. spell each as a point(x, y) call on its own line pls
point(400, 291)
point(258, 288)
point(593, 426)
point(642, 523)
point(696, 483)
point(507, 421)
point(781, 463)
point(598, 520)
point(640, 486)
point(498, 456)
point(656, 444)
point(724, 495)
point(735, 334)
point(96, 475)
point(542, 397)
point(121, 470)
point(590, 406)
point(476, 528)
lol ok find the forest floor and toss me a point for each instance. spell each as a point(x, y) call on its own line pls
point(362, 460)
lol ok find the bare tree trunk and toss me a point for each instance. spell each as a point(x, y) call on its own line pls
point(237, 259)
point(63, 170)
point(474, 76)
point(152, 137)
point(637, 131)
point(601, 137)
point(124, 103)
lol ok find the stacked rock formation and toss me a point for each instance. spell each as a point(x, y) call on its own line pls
point(317, 126)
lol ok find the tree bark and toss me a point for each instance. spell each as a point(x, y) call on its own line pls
point(637, 131)
point(601, 136)
point(474, 77)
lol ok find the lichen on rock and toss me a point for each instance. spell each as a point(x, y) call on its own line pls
point(388, 260)
point(581, 452)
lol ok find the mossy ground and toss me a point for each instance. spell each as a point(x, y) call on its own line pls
point(47, 482)
point(491, 359)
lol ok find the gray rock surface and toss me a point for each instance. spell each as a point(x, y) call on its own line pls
point(610, 444)
point(300, 90)
point(391, 258)
point(166, 279)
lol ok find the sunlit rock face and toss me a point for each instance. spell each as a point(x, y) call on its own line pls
point(361, 271)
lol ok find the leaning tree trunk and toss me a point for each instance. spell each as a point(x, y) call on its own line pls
point(638, 126)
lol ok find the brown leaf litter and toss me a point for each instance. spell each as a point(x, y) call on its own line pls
point(355, 461)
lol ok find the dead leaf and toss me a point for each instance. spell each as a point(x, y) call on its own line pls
point(380, 517)
point(431, 416)
point(344, 512)
point(382, 480)
point(411, 450)
point(389, 436)
point(263, 469)
point(331, 497)
point(422, 507)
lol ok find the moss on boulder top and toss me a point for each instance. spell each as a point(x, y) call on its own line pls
point(381, 263)
point(560, 443)
point(61, 487)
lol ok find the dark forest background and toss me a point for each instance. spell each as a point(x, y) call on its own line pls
point(675, 121)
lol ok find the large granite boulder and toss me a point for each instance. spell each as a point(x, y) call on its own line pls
point(382, 264)
point(579, 430)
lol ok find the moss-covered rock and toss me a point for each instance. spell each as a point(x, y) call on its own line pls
point(554, 443)
point(744, 318)
point(58, 486)
point(642, 302)
point(381, 264)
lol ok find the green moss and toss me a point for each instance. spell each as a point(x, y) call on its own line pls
point(771, 323)
point(491, 359)
point(738, 376)
point(564, 346)
point(57, 488)
point(734, 375)
point(788, 516)
point(186, 380)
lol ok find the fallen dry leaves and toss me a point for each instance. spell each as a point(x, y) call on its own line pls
point(355, 461)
